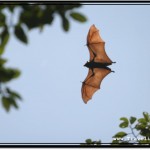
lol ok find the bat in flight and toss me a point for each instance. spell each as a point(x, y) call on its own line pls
point(97, 64)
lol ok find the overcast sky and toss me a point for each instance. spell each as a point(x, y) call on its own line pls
point(52, 109)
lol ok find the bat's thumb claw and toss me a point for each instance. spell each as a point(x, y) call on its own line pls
point(113, 71)
point(113, 62)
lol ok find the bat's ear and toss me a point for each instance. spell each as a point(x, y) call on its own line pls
point(86, 63)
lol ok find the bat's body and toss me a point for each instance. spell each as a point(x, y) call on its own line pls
point(97, 65)
point(93, 65)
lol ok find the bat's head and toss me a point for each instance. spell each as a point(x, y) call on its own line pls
point(86, 64)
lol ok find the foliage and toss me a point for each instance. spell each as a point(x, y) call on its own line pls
point(139, 135)
point(30, 17)
point(8, 96)
point(89, 142)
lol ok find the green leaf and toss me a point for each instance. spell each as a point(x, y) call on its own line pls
point(13, 93)
point(69, 7)
point(13, 102)
point(145, 132)
point(142, 121)
point(65, 23)
point(4, 40)
point(47, 17)
point(26, 17)
point(146, 116)
point(11, 8)
point(115, 142)
point(2, 62)
point(20, 34)
point(7, 74)
point(132, 119)
point(124, 119)
point(15, 73)
point(2, 19)
point(120, 135)
point(123, 125)
point(144, 141)
point(125, 122)
point(98, 142)
point(79, 17)
point(88, 141)
point(36, 17)
point(2, 7)
point(6, 103)
point(140, 126)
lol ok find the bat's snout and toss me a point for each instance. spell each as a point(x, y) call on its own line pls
point(86, 64)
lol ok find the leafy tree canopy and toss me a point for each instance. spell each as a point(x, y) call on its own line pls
point(30, 17)
point(139, 132)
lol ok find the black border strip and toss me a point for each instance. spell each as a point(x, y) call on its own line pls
point(70, 2)
point(73, 145)
point(77, 145)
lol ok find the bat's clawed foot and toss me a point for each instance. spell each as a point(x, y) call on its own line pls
point(113, 71)
point(113, 62)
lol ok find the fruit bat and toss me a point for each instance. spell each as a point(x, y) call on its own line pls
point(97, 64)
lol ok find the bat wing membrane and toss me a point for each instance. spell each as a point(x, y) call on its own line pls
point(97, 46)
point(92, 82)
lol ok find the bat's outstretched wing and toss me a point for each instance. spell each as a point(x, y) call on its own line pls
point(96, 46)
point(92, 82)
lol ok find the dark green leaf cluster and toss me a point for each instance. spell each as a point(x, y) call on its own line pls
point(4, 37)
point(140, 130)
point(9, 99)
point(89, 142)
point(36, 16)
point(7, 74)
point(139, 135)
point(8, 96)
point(65, 16)
point(31, 16)
point(143, 126)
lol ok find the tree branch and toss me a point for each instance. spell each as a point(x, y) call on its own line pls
point(133, 132)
